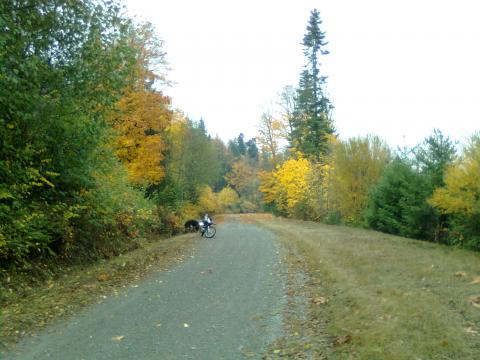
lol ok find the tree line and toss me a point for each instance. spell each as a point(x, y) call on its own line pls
point(429, 192)
point(92, 155)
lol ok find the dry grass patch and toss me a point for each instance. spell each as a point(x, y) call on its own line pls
point(388, 297)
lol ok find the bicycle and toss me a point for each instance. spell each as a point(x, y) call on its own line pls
point(208, 231)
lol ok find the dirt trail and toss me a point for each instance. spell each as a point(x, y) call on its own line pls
point(225, 301)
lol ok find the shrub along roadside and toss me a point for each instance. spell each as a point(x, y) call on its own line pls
point(398, 205)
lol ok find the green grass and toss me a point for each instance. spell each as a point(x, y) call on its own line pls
point(395, 298)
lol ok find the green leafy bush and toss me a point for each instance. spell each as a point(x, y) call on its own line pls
point(397, 204)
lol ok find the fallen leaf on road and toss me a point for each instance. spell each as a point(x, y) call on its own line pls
point(118, 338)
point(460, 274)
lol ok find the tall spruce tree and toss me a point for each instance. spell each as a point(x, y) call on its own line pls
point(312, 123)
point(252, 150)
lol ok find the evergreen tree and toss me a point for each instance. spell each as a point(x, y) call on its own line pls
point(242, 148)
point(233, 148)
point(224, 158)
point(237, 146)
point(252, 150)
point(398, 203)
point(312, 124)
point(191, 162)
point(434, 155)
point(202, 127)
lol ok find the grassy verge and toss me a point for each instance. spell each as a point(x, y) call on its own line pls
point(386, 297)
point(304, 319)
point(27, 309)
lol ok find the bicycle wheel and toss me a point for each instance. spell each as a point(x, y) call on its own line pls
point(210, 232)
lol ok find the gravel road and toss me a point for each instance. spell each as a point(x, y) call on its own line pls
point(224, 301)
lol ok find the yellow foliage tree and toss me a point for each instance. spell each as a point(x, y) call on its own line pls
point(177, 130)
point(208, 201)
point(318, 192)
point(461, 192)
point(142, 115)
point(268, 186)
point(241, 177)
point(287, 185)
point(190, 211)
point(292, 177)
point(356, 164)
point(139, 145)
point(227, 199)
point(460, 197)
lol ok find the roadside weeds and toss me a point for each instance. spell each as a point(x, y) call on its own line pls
point(305, 318)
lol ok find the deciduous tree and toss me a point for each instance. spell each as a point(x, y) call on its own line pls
point(270, 132)
point(357, 165)
point(143, 112)
point(460, 195)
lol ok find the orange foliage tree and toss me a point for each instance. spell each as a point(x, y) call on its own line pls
point(143, 113)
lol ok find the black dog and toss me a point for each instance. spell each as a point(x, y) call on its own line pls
point(192, 225)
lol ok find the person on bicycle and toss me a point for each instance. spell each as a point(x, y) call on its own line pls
point(207, 221)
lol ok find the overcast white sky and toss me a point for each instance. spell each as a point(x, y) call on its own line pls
point(397, 69)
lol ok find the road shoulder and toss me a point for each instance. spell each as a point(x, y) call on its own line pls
point(306, 316)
